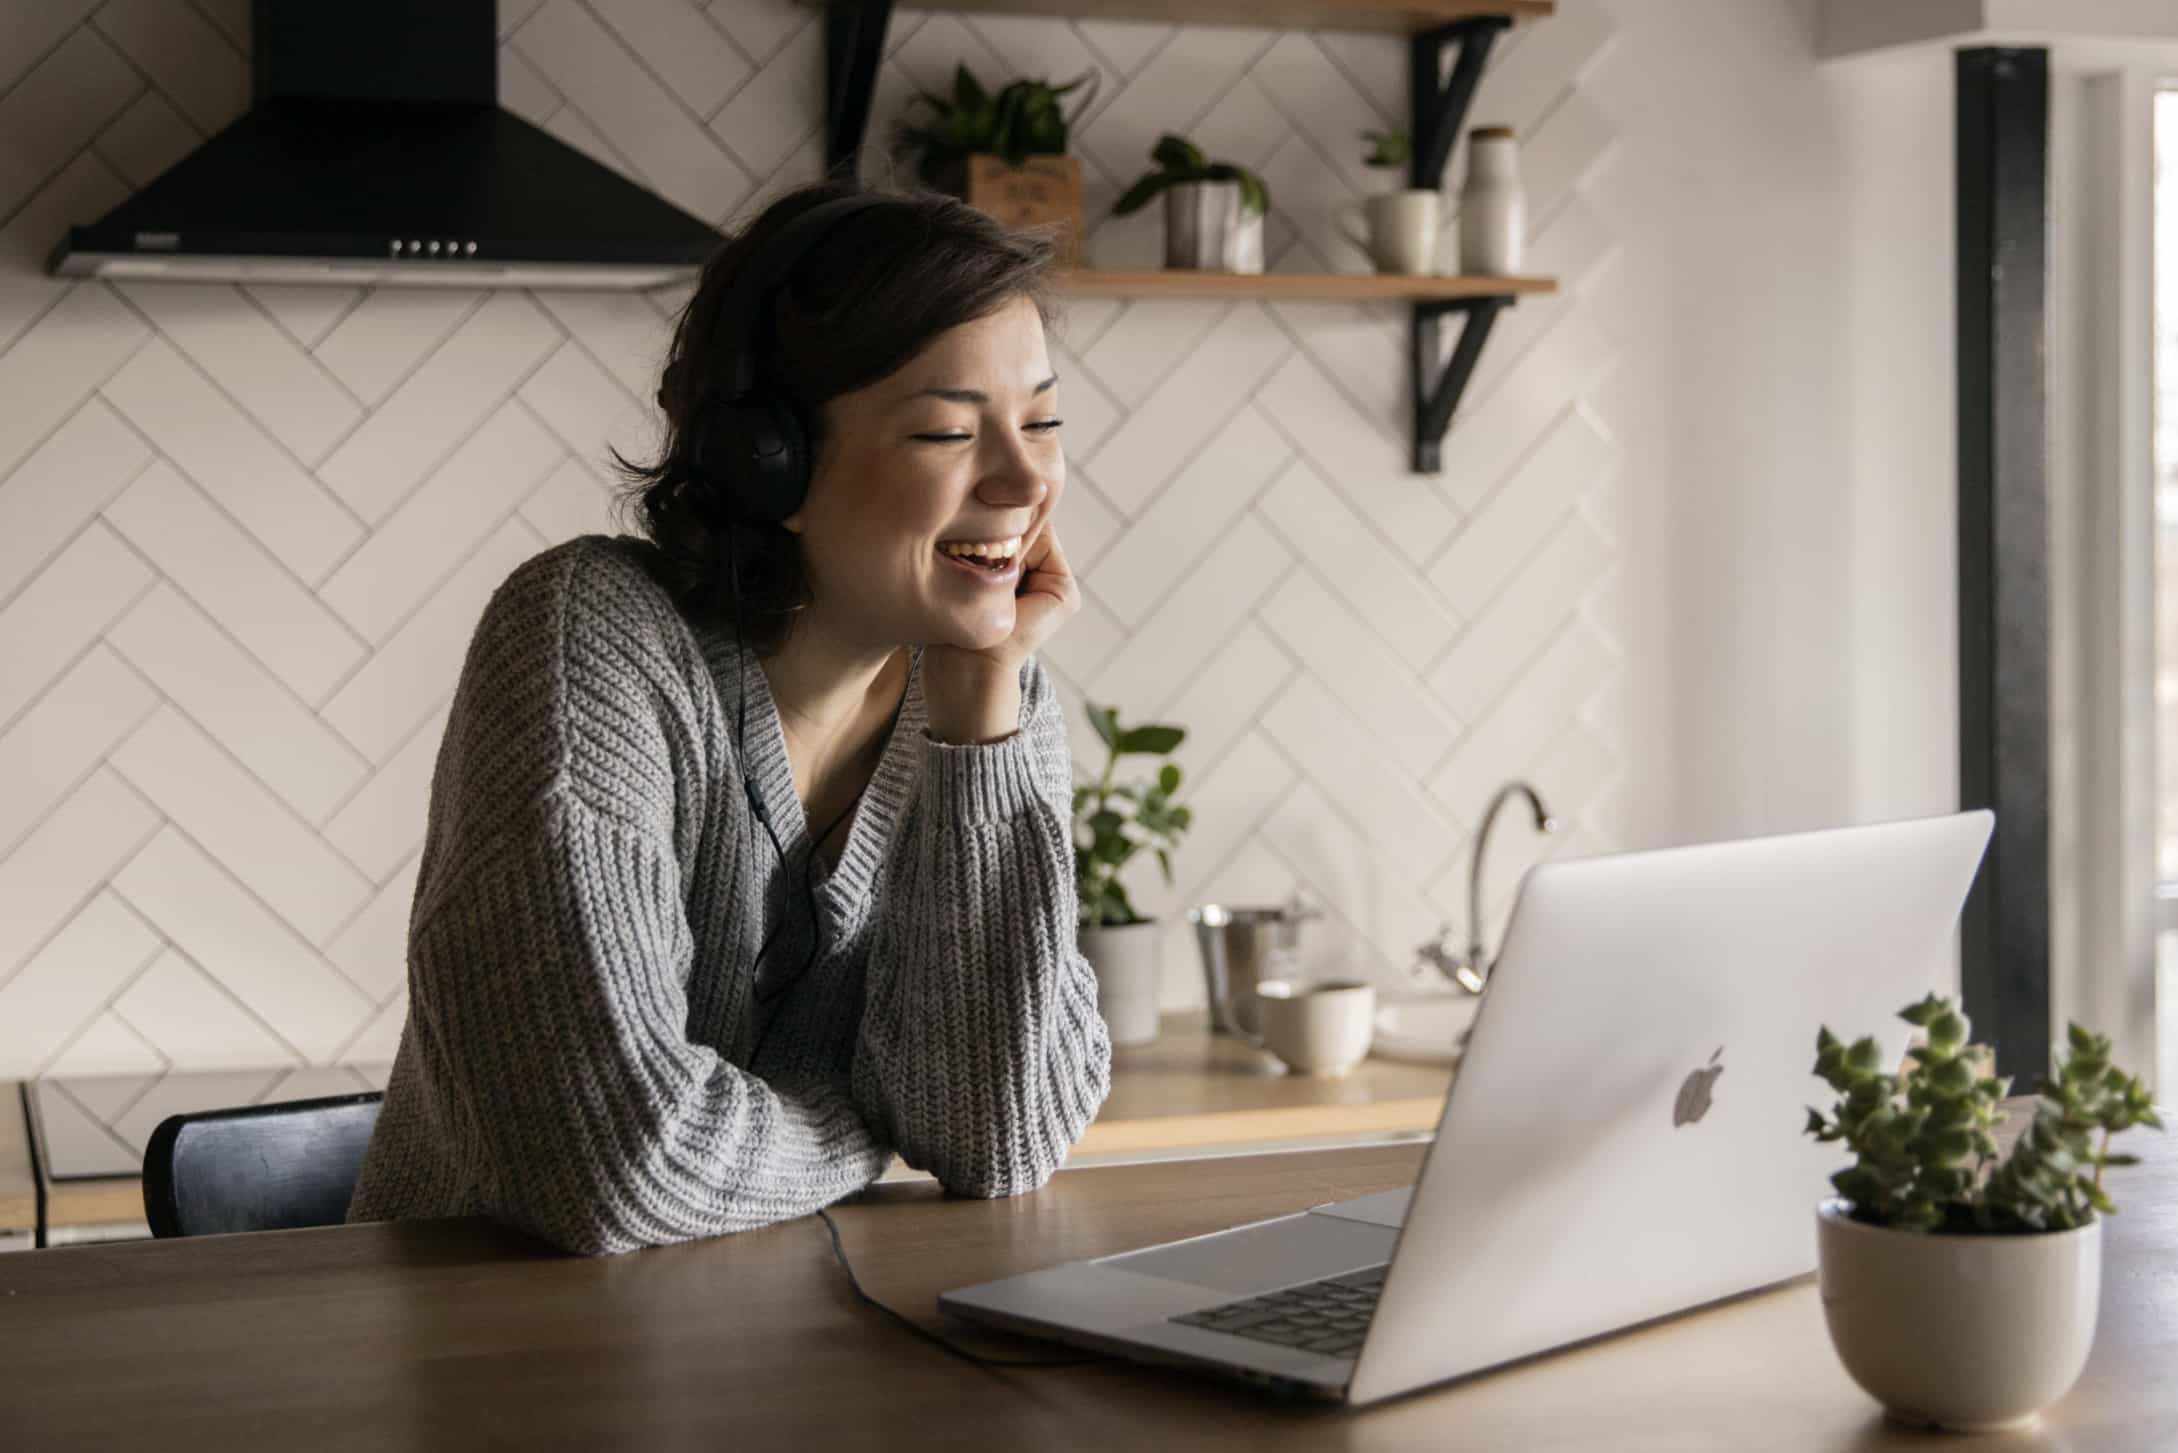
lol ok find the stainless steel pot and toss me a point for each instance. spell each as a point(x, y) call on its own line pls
point(1206, 229)
point(1238, 946)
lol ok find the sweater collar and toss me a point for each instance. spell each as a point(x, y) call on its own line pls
point(870, 827)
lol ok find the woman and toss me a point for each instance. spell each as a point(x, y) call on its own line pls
point(630, 1022)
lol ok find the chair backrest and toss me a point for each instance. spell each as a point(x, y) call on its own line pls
point(257, 1167)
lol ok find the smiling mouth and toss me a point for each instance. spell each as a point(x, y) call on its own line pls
point(991, 556)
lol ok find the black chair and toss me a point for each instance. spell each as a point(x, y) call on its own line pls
point(257, 1167)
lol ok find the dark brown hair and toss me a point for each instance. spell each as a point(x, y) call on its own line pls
point(873, 292)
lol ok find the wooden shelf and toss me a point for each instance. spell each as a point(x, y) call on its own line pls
point(1437, 105)
point(1403, 17)
point(1353, 286)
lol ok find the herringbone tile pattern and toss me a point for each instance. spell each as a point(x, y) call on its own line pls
point(246, 531)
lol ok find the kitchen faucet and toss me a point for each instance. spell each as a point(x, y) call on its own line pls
point(1471, 970)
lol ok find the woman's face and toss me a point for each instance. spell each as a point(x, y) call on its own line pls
point(961, 443)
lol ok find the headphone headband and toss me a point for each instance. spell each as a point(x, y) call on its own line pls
point(732, 345)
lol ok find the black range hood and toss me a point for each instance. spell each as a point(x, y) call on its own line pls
point(375, 151)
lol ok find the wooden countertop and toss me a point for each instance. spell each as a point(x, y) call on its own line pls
point(18, 1182)
point(459, 1334)
point(1195, 1090)
point(1189, 1092)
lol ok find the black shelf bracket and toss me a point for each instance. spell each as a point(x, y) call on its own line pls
point(854, 42)
point(1436, 112)
point(1435, 403)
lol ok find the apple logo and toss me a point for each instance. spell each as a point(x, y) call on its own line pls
point(1693, 1102)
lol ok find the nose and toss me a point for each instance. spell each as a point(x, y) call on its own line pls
point(1015, 479)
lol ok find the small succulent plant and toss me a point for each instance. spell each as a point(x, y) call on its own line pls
point(1105, 836)
point(1388, 148)
point(1925, 1137)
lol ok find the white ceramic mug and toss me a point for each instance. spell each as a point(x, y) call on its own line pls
point(1402, 230)
point(1319, 1027)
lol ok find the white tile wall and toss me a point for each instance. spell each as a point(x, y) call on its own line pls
point(245, 531)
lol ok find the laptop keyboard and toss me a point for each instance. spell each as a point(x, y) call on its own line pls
point(1329, 1316)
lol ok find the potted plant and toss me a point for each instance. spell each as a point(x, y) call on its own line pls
point(1004, 155)
point(1213, 210)
point(1389, 150)
point(1113, 822)
point(1960, 1288)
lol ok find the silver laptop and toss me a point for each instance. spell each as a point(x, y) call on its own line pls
point(1622, 1140)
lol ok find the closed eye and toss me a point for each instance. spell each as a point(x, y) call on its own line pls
point(1041, 426)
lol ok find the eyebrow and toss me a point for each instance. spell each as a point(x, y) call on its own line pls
point(971, 395)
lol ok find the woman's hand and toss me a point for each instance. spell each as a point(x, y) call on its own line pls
point(975, 695)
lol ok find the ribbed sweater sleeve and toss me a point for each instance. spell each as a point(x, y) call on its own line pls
point(981, 1055)
point(546, 1076)
point(547, 983)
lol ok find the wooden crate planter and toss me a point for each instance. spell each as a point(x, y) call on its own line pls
point(1042, 189)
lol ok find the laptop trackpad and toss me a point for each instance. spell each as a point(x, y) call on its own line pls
point(1273, 1254)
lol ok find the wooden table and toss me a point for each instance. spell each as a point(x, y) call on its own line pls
point(457, 1334)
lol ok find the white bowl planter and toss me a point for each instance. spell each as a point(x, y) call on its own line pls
point(1126, 959)
point(1961, 1332)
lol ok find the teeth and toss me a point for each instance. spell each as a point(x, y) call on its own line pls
point(992, 550)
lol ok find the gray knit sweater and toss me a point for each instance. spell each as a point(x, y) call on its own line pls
point(576, 1060)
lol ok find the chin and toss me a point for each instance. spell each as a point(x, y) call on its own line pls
point(979, 634)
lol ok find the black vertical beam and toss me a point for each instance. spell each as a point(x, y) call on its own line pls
point(2004, 629)
point(854, 42)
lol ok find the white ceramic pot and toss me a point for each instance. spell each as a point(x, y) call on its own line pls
point(1961, 1332)
point(1126, 959)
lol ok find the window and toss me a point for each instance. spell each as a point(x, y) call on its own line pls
point(2166, 581)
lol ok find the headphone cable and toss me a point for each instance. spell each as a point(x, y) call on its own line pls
point(920, 1330)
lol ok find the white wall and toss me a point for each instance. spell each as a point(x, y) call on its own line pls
point(1788, 249)
point(244, 532)
point(1687, 566)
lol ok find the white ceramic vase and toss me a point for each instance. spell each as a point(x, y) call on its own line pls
point(1962, 1332)
point(1493, 205)
point(1126, 959)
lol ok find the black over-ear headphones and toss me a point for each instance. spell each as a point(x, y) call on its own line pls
point(749, 446)
point(750, 442)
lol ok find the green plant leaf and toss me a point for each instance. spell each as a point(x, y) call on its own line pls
point(1254, 195)
point(1177, 154)
point(1168, 778)
point(1919, 1014)
point(1151, 740)
point(1148, 185)
point(1106, 721)
point(1388, 148)
point(968, 93)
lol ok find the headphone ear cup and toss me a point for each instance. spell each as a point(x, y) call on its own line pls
point(755, 452)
